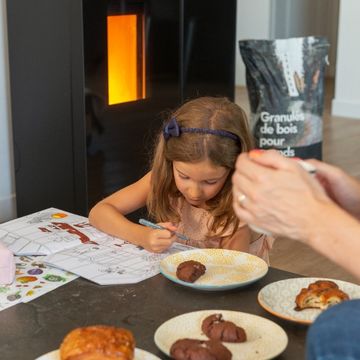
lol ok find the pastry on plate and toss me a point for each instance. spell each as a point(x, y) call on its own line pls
point(98, 342)
point(322, 284)
point(216, 328)
point(320, 295)
point(193, 349)
point(190, 270)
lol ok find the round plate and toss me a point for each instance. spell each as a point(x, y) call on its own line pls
point(225, 269)
point(139, 355)
point(265, 339)
point(278, 298)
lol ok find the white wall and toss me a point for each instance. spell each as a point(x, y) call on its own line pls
point(7, 195)
point(253, 22)
point(279, 19)
point(294, 18)
point(347, 81)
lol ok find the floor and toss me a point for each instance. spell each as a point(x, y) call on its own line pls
point(341, 147)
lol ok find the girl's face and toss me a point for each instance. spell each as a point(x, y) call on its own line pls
point(199, 182)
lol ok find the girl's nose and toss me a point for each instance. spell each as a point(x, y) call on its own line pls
point(195, 192)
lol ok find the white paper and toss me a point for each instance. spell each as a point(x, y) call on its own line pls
point(72, 244)
point(122, 263)
point(33, 279)
point(46, 232)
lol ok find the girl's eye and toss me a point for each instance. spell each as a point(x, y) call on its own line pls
point(213, 182)
point(183, 177)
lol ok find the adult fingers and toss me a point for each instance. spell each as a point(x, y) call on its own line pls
point(241, 211)
point(324, 170)
point(247, 167)
point(251, 178)
point(243, 187)
point(272, 159)
point(245, 196)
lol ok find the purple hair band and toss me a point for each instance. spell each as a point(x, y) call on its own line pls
point(172, 129)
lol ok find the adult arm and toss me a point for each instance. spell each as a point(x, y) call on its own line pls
point(341, 187)
point(282, 198)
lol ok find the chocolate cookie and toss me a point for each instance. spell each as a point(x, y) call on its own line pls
point(190, 270)
point(216, 328)
point(192, 349)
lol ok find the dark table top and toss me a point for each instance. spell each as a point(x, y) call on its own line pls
point(32, 329)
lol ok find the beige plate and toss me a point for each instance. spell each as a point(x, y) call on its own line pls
point(278, 298)
point(139, 355)
point(265, 339)
point(225, 269)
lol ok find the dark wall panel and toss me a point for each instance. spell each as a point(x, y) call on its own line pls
point(41, 69)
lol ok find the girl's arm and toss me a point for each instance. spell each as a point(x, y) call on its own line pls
point(239, 241)
point(109, 216)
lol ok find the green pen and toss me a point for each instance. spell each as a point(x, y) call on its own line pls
point(156, 226)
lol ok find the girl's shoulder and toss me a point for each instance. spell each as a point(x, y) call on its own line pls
point(143, 183)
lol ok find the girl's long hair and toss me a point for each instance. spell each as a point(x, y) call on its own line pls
point(210, 113)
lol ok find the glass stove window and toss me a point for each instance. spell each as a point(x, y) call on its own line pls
point(126, 61)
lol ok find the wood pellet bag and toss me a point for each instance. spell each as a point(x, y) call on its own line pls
point(285, 83)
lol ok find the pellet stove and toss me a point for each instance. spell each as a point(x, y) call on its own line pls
point(90, 81)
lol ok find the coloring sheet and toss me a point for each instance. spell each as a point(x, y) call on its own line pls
point(47, 232)
point(118, 262)
point(33, 278)
point(73, 245)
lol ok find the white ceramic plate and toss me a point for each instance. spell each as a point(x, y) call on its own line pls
point(265, 339)
point(225, 269)
point(278, 298)
point(139, 355)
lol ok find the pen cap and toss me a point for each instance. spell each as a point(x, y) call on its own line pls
point(306, 166)
point(7, 266)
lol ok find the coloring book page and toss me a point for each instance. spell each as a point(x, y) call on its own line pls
point(33, 278)
point(73, 245)
point(118, 262)
point(47, 232)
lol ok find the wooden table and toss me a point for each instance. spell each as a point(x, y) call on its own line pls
point(30, 330)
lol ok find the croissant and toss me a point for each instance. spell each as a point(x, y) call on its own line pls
point(98, 342)
point(321, 294)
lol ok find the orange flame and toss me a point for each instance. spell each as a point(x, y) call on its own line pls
point(126, 69)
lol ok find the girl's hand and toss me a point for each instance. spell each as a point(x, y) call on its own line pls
point(159, 240)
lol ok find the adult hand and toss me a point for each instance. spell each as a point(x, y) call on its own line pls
point(158, 240)
point(276, 194)
point(342, 188)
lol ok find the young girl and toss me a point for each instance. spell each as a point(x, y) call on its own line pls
point(188, 189)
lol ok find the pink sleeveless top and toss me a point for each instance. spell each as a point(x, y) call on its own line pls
point(194, 224)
